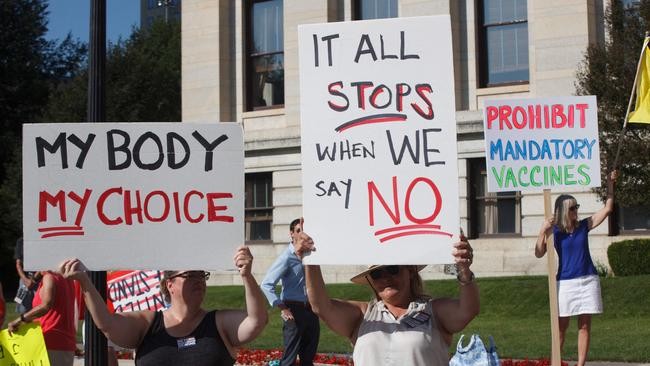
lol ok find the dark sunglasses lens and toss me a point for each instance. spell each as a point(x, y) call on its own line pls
point(376, 274)
point(392, 269)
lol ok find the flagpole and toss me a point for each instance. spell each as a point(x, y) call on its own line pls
point(629, 104)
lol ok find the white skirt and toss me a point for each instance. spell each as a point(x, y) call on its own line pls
point(579, 296)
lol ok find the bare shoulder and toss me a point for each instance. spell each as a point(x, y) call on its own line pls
point(229, 318)
point(142, 315)
point(362, 306)
point(225, 314)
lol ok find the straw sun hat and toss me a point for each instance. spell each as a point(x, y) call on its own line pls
point(361, 277)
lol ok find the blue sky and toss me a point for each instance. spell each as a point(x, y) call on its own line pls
point(74, 16)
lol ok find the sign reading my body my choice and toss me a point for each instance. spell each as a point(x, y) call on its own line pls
point(133, 195)
point(379, 162)
point(543, 143)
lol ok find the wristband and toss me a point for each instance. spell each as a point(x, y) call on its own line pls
point(22, 318)
point(463, 283)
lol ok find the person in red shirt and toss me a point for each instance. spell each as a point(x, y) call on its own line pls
point(54, 309)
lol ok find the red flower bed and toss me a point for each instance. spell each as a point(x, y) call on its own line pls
point(262, 357)
point(527, 362)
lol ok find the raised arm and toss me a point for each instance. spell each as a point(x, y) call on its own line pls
point(341, 316)
point(455, 314)
point(600, 215)
point(242, 326)
point(47, 292)
point(124, 329)
point(23, 276)
point(544, 232)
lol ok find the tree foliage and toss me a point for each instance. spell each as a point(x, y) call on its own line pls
point(46, 81)
point(143, 80)
point(31, 68)
point(608, 71)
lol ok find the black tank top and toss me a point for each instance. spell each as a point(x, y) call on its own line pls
point(202, 347)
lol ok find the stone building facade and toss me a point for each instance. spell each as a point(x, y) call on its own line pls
point(240, 64)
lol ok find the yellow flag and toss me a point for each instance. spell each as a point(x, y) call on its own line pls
point(641, 112)
point(24, 347)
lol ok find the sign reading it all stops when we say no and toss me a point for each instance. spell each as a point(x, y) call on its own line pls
point(379, 161)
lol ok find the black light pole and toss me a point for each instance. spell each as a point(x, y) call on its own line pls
point(95, 350)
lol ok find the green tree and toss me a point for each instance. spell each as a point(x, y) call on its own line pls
point(143, 80)
point(608, 72)
point(143, 83)
point(31, 68)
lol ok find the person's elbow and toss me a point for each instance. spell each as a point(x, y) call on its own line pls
point(257, 323)
point(322, 309)
point(317, 309)
point(46, 305)
point(107, 326)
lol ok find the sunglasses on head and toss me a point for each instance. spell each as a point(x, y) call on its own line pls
point(202, 275)
point(574, 208)
point(376, 274)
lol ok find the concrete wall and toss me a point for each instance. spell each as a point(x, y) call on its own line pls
point(213, 91)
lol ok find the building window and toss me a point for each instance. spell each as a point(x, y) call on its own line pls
point(491, 213)
point(265, 51)
point(634, 218)
point(503, 42)
point(374, 9)
point(258, 206)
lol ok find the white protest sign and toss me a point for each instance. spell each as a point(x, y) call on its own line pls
point(379, 161)
point(133, 195)
point(541, 143)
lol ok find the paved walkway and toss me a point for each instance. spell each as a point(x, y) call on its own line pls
point(80, 362)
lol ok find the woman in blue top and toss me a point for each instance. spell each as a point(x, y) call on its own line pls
point(577, 279)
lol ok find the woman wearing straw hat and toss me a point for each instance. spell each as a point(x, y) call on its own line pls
point(184, 334)
point(578, 285)
point(401, 325)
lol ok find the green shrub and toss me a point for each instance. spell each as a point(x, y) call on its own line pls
point(630, 257)
point(601, 268)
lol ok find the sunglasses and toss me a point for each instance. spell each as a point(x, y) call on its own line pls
point(199, 275)
point(574, 208)
point(376, 274)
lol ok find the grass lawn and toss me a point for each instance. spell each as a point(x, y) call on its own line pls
point(514, 310)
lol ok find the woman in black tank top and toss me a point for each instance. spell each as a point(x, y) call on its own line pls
point(184, 334)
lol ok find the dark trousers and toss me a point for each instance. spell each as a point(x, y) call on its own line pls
point(300, 336)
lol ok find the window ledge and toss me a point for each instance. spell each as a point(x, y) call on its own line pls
point(263, 113)
point(260, 242)
point(508, 89)
point(639, 232)
point(499, 236)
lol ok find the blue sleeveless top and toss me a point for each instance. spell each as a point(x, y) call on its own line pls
point(573, 252)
